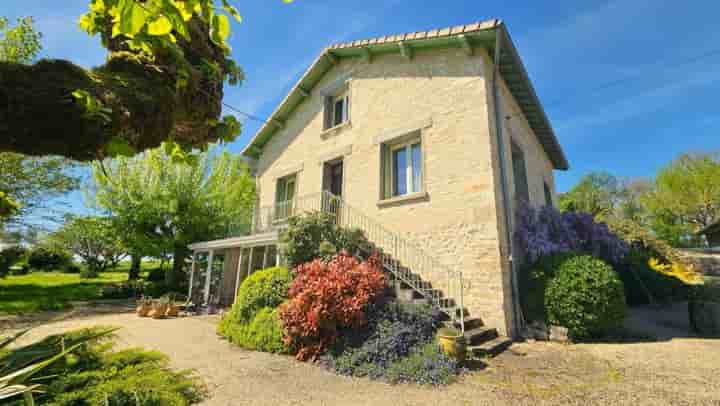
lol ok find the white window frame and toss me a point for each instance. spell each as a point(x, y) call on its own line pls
point(344, 96)
point(409, 174)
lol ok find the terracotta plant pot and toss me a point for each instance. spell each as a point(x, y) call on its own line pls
point(158, 311)
point(143, 309)
point(453, 344)
point(172, 311)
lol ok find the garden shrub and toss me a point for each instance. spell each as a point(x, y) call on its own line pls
point(326, 297)
point(639, 279)
point(72, 268)
point(9, 257)
point(253, 321)
point(393, 330)
point(586, 296)
point(156, 275)
point(308, 233)
point(426, 365)
point(45, 259)
point(263, 333)
point(533, 280)
point(94, 374)
point(265, 288)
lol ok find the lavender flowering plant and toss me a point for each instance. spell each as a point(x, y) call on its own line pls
point(544, 231)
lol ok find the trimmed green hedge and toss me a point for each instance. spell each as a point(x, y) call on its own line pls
point(586, 296)
point(253, 322)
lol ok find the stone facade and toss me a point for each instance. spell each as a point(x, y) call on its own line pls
point(446, 97)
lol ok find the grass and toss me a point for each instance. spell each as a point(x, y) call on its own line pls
point(39, 291)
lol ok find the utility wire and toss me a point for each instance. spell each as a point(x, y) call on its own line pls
point(555, 102)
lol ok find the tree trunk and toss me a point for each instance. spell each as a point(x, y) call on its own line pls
point(174, 275)
point(135, 262)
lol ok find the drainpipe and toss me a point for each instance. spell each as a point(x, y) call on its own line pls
point(517, 313)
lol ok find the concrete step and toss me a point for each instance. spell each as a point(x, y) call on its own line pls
point(480, 335)
point(491, 348)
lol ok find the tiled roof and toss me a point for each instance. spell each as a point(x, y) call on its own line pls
point(476, 35)
point(436, 33)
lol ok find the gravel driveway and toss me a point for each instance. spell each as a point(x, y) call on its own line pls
point(681, 371)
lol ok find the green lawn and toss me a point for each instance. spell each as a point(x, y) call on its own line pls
point(39, 291)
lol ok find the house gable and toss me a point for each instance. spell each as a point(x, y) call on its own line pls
point(467, 38)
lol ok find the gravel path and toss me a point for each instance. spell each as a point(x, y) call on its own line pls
point(681, 371)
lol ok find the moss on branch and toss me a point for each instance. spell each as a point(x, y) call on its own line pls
point(149, 100)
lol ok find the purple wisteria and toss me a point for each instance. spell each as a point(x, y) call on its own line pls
point(545, 231)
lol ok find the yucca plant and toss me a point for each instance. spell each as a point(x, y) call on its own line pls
point(19, 367)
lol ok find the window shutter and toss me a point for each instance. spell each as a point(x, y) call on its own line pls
point(385, 171)
point(347, 108)
point(328, 112)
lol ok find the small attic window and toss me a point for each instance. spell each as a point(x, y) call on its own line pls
point(337, 108)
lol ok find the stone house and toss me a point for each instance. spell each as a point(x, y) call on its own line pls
point(427, 141)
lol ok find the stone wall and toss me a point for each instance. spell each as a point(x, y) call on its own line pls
point(443, 95)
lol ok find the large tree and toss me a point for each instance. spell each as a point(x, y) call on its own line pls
point(162, 204)
point(27, 183)
point(163, 80)
point(686, 196)
point(91, 238)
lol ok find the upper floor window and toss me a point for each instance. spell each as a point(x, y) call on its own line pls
point(337, 109)
point(522, 193)
point(284, 194)
point(402, 168)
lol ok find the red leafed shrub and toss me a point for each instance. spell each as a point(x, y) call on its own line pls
point(327, 296)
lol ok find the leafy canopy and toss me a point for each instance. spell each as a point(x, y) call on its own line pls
point(21, 43)
point(160, 204)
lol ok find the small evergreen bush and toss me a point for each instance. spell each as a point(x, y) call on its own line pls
point(586, 296)
point(315, 235)
point(253, 321)
point(265, 288)
point(45, 259)
point(263, 333)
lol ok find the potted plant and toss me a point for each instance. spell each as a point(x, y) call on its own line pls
point(144, 306)
point(452, 343)
point(173, 308)
point(159, 308)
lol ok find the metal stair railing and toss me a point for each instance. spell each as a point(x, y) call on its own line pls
point(409, 264)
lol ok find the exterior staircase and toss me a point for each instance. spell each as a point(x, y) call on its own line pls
point(409, 267)
point(482, 341)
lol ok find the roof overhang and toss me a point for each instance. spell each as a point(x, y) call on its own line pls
point(467, 37)
point(253, 240)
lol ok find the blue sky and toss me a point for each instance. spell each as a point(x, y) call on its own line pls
point(570, 48)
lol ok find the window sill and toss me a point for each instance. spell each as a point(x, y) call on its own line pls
point(334, 130)
point(398, 200)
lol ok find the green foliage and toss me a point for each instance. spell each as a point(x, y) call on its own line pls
point(253, 321)
point(94, 374)
point(21, 43)
point(586, 296)
point(31, 183)
point(427, 365)
point(533, 281)
point(315, 235)
point(264, 331)
point(686, 197)
point(93, 239)
point(595, 194)
point(41, 291)
point(9, 257)
point(46, 259)
point(161, 205)
point(156, 275)
point(265, 288)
